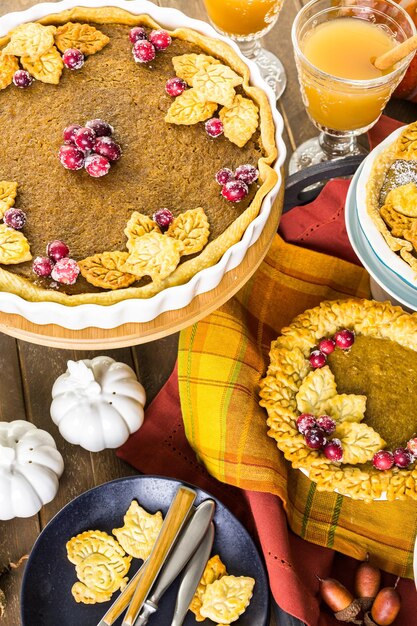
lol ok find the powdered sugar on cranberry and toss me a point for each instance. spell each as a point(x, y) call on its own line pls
point(65, 271)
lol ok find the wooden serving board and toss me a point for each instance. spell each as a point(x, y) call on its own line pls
point(165, 324)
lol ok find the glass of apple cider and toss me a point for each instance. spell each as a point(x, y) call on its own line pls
point(335, 43)
point(246, 22)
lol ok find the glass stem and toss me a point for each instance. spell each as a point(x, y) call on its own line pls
point(335, 146)
point(250, 48)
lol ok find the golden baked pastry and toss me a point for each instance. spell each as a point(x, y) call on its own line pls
point(161, 166)
point(339, 393)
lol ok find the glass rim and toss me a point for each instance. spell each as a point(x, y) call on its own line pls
point(369, 82)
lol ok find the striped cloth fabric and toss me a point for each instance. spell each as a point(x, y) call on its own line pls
point(221, 360)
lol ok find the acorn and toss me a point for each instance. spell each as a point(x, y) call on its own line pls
point(386, 606)
point(367, 583)
point(340, 600)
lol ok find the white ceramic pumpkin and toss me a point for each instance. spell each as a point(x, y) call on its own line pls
point(97, 403)
point(30, 466)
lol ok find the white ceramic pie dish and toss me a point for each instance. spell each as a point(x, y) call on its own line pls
point(374, 238)
point(174, 298)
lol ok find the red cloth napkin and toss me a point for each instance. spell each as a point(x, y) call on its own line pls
point(160, 447)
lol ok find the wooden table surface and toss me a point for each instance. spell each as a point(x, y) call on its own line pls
point(27, 371)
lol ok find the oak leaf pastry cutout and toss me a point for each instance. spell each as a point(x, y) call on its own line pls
point(216, 83)
point(396, 222)
point(227, 598)
point(240, 120)
point(403, 199)
point(8, 66)
point(30, 40)
point(137, 226)
point(188, 109)
point(84, 37)
point(192, 229)
point(46, 68)
point(153, 255)
point(187, 66)
point(214, 570)
point(8, 193)
point(103, 270)
point(101, 566)
point(14, 247)
point(140, 530)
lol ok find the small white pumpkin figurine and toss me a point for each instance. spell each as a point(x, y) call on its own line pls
point(97, 403)
point(30, 466)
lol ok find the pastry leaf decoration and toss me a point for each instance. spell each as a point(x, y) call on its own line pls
point(8, 193)
point(30, 40)
point(140, 530)
point(214, 570)
point(187, 66)
point(317, 387)
point(345, 407)
point(227, 598)
point(8, 66)
point(103, 270)
point(14, 247)
point(216, 83)
point(188, 109)
point(47, 68)
point(84, 37)
point(139, 225)
point(359, 441)
point(153, 255)
point(192, 229)
point(240, 120)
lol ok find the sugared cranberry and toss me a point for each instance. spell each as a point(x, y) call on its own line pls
point(143, 52)
point(84, 138)
point(71, 157)
point(65, 271)
point(57, 250)
point(315, 438)
point(327, 346)
point(97, 165)
point(214, 127)
point(412, 446)
point(402, 457)
point(69, 132)
point(383, 460)
point(15, 218)
point(224, 175)
point(305, 422)
point(22, 79)
point(42, 266)
point(107, 147)
point(100, 128)
point(235, 190)
point(163, 218)
point(317, 359)
point(247, 173)
point(73, 59)
point(160, 39)
point(175, 86)
point(137, 33)
point(344, 339)
point(327, 424)
point(333, 450)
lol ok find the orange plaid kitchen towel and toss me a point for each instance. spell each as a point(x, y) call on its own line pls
point(220, 362)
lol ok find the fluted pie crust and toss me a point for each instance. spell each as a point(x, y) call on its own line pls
point(212, 253)
point(289, 366)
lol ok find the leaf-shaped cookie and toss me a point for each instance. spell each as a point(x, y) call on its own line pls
point(84, 37)
point(227, 598)
point(359, 442)
point(240, 120)
point(188, 109)
point(214, 570)
point(187, 65)
point(47, 68)
point(317, 387)
point(8, 66)
point(14, 247)
point(153, 255)
point(140, 530)
point(31, 40)
point(215, 83)
point(83, 594)
point(8, 193)
point(103, 270)
point(345, 407)
point(138, 225)
point(192, 229)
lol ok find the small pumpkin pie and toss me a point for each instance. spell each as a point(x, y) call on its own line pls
point(340, 398)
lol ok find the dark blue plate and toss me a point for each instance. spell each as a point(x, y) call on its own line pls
point(46, 598)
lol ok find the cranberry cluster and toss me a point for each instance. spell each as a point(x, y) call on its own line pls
point(164, 218)
point(235, 185)
point(342, 339)
point(145, 46)
point(56, 264)
point(401, 457)
point(90, 146)
point(316, 431)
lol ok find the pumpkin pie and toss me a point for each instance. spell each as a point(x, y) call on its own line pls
point(138, 206)
point(340, 398)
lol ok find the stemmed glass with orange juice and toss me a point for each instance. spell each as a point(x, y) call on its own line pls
point(335, 44)
point(246, 22)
